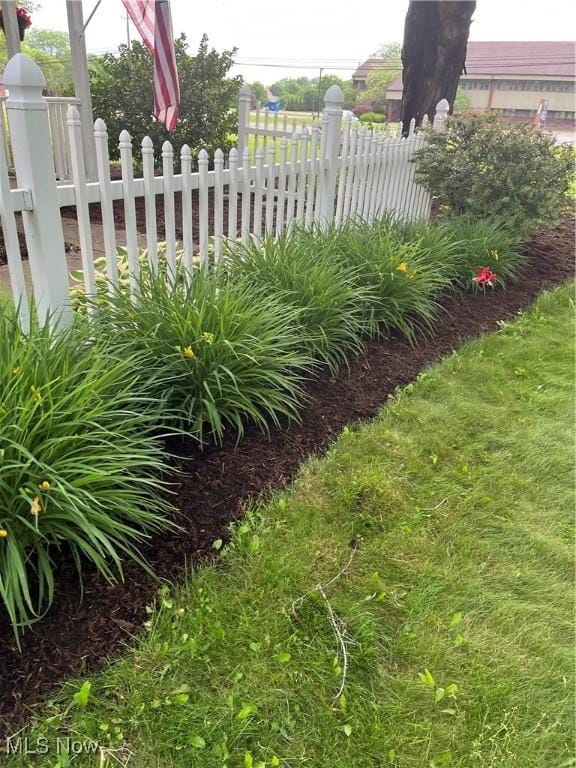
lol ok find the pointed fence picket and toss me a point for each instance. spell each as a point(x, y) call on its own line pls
point(333, 172)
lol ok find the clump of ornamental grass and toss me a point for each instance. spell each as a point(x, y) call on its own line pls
point(218, 353)
point(484, 244)
point(330, 304)
point(400, 277)
point(81, 462)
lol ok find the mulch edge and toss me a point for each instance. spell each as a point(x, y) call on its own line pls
point(92, 639)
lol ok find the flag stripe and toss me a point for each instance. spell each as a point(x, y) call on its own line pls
point(153, 21)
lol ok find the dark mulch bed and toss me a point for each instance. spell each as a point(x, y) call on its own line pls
point(70, 247)
point(77, 637)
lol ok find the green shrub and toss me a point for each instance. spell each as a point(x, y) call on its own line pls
point(373, 117)
point(330, 306)
point(484, 167)
point(80, 462)
point(219, 353)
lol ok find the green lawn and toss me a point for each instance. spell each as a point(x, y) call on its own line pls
point(453, 512)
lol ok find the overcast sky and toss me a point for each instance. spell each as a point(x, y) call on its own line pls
point(298, 38)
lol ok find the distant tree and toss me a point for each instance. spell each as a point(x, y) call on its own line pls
point(50, 49)
point(390, 51)
point(123, 95)
point(307, 94)
point(461, 101)
point(377, 84)
point(259, 91)
point(289, 91)
point(433, 54)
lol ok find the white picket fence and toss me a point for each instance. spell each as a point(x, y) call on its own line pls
point(57, 110)
point(334, 172)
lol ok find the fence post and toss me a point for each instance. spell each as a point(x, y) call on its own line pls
point(29, 128)
point(332, 123)
point(442, 109)
point(244, 104)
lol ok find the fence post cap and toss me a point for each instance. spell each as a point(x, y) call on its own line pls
point(72, 115)
point(334, 96)
point(99, 125)
point(443, 106)
point(22, 70)
point(245, 90)
point(23, 78)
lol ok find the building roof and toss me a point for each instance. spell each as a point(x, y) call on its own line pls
point(546, 59)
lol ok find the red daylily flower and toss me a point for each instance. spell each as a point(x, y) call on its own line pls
point(484, 276)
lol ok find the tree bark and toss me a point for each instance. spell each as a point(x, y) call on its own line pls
point(433, 54)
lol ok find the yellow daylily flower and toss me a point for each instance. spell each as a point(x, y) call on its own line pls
point(402, 267)
point(188, 352)
point(207, 337)
point(16, 370)
point(36, 393)
point(36, 506)
point(495, 255)
point(3, 533)
point(44, 485)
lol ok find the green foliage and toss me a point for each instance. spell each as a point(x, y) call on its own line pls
point(81, 462)
point(372, 117)
point(259, 91)
point(239, 665)
point(462, 101)
point(377, 84)
point(330, 306)
point(307, 94)
point(218, 353)
point(50, 49)
point(390, 51)
point(479, 243)
point(485, 167)
point(79, 300)
point(122, 95)
point(401, 276)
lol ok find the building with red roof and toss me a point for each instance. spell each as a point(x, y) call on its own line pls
point(511, 78)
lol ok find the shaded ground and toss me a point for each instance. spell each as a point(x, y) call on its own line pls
point(215, 486)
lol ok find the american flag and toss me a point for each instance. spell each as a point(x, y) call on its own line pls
point(153, 21)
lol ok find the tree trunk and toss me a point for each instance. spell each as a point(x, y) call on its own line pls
point(433, 54)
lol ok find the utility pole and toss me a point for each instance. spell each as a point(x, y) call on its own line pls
point(128, 30)
point(76, 29)
point(320, 90)
point(10, 21)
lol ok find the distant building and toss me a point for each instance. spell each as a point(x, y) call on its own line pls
point(510, 78)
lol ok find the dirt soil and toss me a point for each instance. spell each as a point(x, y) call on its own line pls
point(79, 636)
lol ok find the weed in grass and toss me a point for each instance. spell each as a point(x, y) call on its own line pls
point(81, 464)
